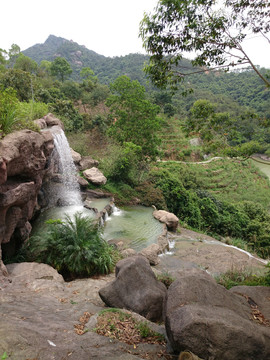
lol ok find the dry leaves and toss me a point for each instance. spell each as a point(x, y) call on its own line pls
point(256, 313)
point(124, 328)
point(80, 328)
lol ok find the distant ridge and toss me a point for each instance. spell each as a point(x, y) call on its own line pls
point(107, 69)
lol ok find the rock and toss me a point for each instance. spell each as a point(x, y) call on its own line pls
point(167, 218)
point(51, 120)
point(212, 322)
point(3, 171)
point(135, 288)
point(119, 245)
point(163, 241)
point(82, 182)
point(151, 253)
point(41, 123)
point(128, 253)
point(87, 163)
point(24, 162)
point(260, 295)
point(76, 157)
point(95, 176)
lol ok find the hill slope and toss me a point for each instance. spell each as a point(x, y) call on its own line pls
point(235, 91)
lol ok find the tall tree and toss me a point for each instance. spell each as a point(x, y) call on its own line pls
point(134, 117)
point(25, 63)
point(215, 34)
point(60, 68)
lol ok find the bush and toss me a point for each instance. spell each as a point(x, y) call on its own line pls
point(71, 118)
point(123, 163)
point(8, 110)
point(32, 110)
point(73, 248)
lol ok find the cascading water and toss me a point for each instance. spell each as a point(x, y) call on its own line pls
point(68, 191)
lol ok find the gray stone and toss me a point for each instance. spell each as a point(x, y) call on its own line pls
point(87, 162)
point(95, 176)
point(135, 288)
point(213, 323)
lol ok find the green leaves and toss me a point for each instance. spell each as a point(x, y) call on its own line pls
point(60, 68)
point(134, 118)
point(74, 247)
point(199, 25)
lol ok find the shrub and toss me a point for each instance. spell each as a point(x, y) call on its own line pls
point(123, 163)
point(73, 247)
point(32, 110)
point(8, 110)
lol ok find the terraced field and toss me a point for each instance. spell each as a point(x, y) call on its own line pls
point(227, 179)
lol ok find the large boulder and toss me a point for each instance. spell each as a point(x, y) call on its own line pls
point(95, 176)
point(213, 323)
point(135, 288)
point(167, 218)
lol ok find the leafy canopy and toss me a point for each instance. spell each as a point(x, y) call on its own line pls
point(134, 117)
point(60, 68)
point(215, 34)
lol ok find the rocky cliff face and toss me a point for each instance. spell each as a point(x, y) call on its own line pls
point(24, 161)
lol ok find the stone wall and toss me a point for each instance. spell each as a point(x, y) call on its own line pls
point(24, 162)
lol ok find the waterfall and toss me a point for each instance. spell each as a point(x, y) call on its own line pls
point(67, 191)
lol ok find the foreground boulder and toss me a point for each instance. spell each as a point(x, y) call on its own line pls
point(212, 322)
point(135, 288)
point(95, 176)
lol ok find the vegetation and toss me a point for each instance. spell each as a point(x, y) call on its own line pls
point(235, 278)
point(134, 117)
point(130, 123)
point(215, 34)
point(75, 247)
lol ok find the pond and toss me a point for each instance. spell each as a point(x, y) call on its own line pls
point(134, 225)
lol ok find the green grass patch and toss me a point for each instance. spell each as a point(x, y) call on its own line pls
point(236, 277)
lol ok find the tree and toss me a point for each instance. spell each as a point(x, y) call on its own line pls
point(134, 118)
point(25, 63)
point(18, 80)
point(216, 35)
point(13, 53)
point(60, 68)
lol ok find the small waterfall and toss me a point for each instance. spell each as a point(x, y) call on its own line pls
point(68, 190)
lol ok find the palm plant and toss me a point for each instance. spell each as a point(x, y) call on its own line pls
point(74, 247)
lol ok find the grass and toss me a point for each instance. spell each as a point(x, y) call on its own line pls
point(165, 278)
point(236, 277)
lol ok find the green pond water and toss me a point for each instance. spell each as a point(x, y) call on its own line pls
point(134, 225)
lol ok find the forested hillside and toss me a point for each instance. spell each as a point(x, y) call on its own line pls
point(233, 91)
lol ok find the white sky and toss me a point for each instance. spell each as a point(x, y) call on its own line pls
point(108, 27)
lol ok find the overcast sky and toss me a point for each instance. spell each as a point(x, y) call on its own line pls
point(108, 27)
